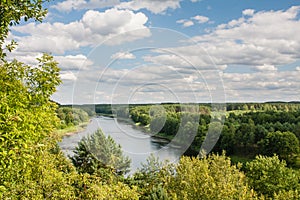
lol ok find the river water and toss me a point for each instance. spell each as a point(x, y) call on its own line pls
point(136, 144)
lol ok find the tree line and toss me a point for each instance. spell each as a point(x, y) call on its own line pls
point(246, 134)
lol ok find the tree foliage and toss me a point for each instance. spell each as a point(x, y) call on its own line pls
point(96, 152)
point(12, 12)
point(71, 116)
point(210, 178)
point(269, 176)
point(27, 115)
point(284, 144)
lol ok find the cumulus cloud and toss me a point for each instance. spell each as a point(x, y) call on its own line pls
point(155, 6)
point(190, 22)
point(151, 83)
point(68, 76)
point(29, 58)
point(262, 86)
point(73, 62)
point(201, 19)
point(258, 41)
point(69, 5)
point(265, 67)
point(94, 28)
point(248, 12)
point(266, 38)
point(185, 23)
point(123, 55)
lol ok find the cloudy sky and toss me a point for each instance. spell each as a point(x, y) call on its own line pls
point(135, 51)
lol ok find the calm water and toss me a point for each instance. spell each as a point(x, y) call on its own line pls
point(135, 144)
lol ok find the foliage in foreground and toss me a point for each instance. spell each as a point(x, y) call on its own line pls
point(270, 176)
point(210, 178)
point(214, 177)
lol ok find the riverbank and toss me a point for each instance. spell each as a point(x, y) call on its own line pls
point(71, 130)
point(158, 137)
point(136, 144)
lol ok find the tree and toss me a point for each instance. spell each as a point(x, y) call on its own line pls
point(96, 152)
point(27, 115)
point(269, 175)
point(284, 144)
point(150, 176)
point(11, 13)
point(226, 140)
point(212, 177)
point(71, 116)
point(171, 124)
point(157, 123)
point(31, 167)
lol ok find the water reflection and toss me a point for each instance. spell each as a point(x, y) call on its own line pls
point(135, 143)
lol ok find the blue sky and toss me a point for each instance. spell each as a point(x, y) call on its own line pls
point(113, 51)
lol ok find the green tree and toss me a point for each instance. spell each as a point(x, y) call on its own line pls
point(11, 13)
point(157, 123)
point(210, 178)
point(96, 152)
point(171, 124)
point(269, 175)
point(71, 116)
point(27, 115)
point(31, 165)
point(284, 144)
point(150, 176)
point(227, 139)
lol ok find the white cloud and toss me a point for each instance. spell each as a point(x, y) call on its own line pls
point(200, 19)
point(180, 21)
point(69, 5)
point(123, 55)
point(188, 23)
point(94, 28)
point(260, 41)
point(262, 86)
point(73, 62)
point(265, 67)
point(185, 23)
point(147, 83)
point(156, 83)
point(29, 58)
point(266, 38)
point(248, 12)
point(68, 76)
point(155, 6)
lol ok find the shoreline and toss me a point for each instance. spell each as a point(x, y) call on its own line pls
point(73, 129)
point(81, 127)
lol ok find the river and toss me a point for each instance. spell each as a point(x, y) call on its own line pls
point(136, 144)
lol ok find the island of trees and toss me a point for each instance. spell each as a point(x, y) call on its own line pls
point(256, 156)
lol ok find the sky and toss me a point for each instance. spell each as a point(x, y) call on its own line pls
point(142, 51)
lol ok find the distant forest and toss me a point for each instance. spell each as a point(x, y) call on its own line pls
point(249, 129)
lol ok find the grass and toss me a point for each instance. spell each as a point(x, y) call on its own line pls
point(70, 130)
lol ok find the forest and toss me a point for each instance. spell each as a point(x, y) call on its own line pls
point(32, 165)
point(249, 129)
